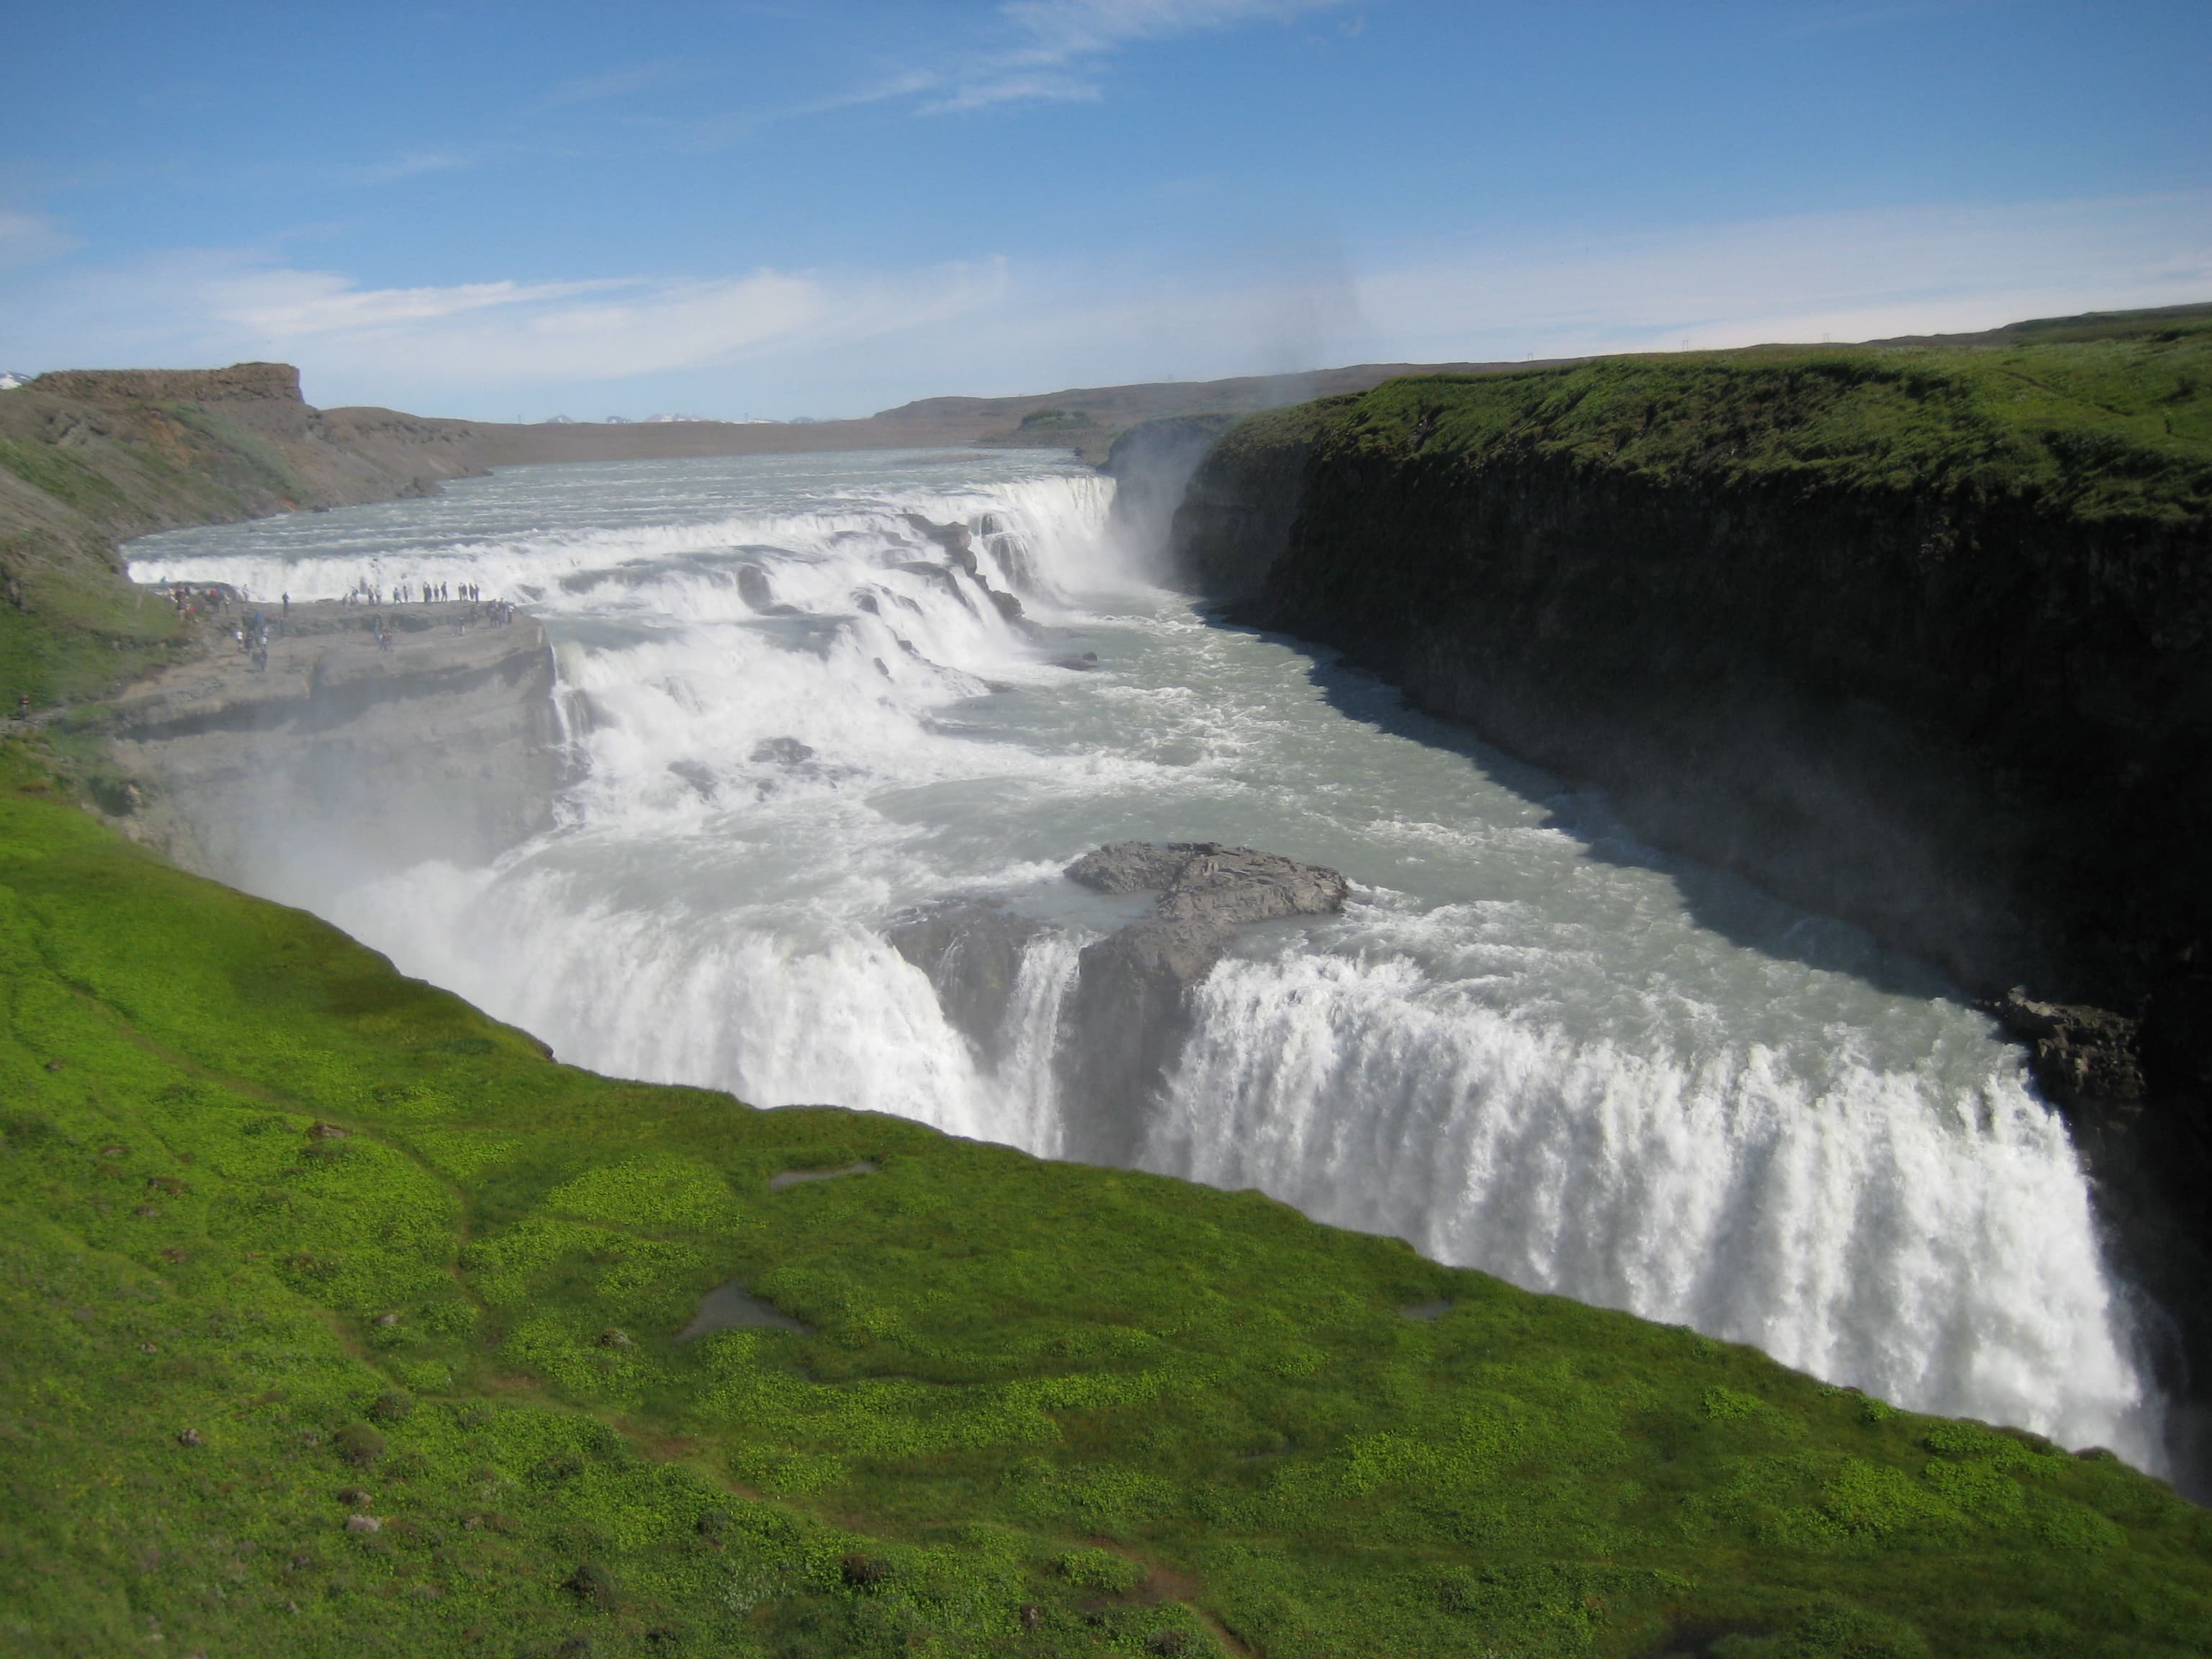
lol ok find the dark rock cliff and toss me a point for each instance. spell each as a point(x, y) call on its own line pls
point(1967, 704)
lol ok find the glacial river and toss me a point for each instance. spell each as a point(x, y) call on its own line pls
point(1528, 1044)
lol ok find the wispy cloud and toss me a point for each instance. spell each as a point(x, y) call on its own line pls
point(1845, 276)
point(616, 84)
point(1059, 48)
point(1055, 52)
point(413, 165)
point(30, 239)
point(436, 346)
point(820, 342)
point(294, 304)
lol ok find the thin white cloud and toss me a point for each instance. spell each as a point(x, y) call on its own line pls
point(1057, 51)
point(1039, 52)
point(616, 84)
point(846, 342)
point(284, 304)
point(30, 239)
point(1061, 46)
point(436, 347)
point(413, 165)
point(1844, 275)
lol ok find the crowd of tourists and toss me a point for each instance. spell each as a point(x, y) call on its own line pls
point(254, 628)
point(497, 612)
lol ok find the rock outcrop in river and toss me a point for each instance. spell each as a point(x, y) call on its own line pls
point(1130, 1017)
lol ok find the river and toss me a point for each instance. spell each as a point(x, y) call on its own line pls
point(1528, 1044)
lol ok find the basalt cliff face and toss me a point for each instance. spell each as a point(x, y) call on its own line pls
point(1918, 638)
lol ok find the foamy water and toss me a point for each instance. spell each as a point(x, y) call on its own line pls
point(1528, 1044)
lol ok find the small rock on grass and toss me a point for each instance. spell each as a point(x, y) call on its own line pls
point(191, 1437)
point(392, 1406)
point(359, 1444)
point(363, 1523)
point(593, 1585)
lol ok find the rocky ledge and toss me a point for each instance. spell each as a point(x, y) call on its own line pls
point(440, 739)
point(1206, 892)
point(1131, 1012)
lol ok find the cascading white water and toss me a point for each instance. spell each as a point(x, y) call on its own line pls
point(1852, 1222)
point(1528, 1045)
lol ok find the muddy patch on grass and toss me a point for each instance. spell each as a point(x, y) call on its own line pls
point(784, 1178)
point(729, 1308)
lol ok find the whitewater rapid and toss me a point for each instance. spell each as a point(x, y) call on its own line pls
point(1528, 1044)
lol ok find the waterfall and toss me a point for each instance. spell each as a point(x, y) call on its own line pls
point(841, 720)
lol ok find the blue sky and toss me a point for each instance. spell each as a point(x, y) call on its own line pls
point(506, 210)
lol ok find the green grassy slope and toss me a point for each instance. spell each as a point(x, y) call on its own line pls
point(79, 473)
point(2102, 420)
point(1041, 1409)
point(90, 460)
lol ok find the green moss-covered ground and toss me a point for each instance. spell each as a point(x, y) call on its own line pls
point(290, 1239)
point(2099, 419)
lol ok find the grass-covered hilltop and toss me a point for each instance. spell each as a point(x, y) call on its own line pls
point(342, 1319)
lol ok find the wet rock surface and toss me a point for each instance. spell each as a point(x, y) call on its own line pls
point(1130, 1016)
point(1206, 882)
point(2087, 1059)
point(958, 542)
point(1127, 1016)
point(972, 950)
point(784, 751)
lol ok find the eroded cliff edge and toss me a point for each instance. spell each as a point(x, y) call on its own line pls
point(372, 740)
point(1917, 637)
